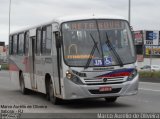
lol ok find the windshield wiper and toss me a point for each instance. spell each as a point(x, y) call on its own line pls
point(95, 43)
point(92, 52)
point(109, 44)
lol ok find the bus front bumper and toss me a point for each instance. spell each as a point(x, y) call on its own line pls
point(74, 91)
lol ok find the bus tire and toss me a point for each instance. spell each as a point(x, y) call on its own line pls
point(22, 84)
point(52, 97)
point(111, 99)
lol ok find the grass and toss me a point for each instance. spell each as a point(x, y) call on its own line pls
point(148, 74)
point(5, 66)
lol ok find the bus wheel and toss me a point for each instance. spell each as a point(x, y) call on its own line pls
point(52, 97)
point(22, 84)
point(111, 99)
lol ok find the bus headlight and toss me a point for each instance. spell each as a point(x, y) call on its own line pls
point(69, 75)
point(132, 75)
point(73, 78)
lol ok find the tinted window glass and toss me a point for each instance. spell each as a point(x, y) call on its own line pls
point(26, 43)
point(21, 44)
point(44, 41)
point(10, 45)
point(38, 50)
point(48, 39)
point(15, 44)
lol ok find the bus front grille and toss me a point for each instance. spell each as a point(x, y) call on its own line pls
point(95, 81)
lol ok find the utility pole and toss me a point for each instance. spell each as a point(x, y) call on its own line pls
point(129, 11)
point(9, 18)
point(151, 53)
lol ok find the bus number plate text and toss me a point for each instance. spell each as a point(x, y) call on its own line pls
point(106, 88)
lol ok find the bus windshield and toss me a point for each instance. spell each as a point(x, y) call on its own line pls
point(97, 43)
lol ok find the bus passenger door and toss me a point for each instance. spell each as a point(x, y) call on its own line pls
point(32, 44)
point(57, 65)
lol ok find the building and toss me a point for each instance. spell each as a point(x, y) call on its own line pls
point(3, 52)
point(147, 47)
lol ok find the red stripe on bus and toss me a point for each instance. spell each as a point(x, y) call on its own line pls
point(116, 75)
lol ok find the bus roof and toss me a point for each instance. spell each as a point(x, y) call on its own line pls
point(72, 18)
point(85, 17)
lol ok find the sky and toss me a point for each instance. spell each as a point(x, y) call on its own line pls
point(26, 13)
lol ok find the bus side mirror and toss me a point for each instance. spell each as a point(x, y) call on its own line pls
point(58, 39)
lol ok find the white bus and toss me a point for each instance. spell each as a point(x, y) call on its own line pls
point(75, 58)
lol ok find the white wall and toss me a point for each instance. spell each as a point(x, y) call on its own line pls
point(155, 61)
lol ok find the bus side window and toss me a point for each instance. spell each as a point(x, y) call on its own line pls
point(43, 41)
point(38, 43)
point(46, 40)
point(15, 46)
point(11, 45)
point(21, 44)
point(26, 43)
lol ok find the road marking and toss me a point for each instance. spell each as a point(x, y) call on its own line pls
point(149, 83)
point(149, 89)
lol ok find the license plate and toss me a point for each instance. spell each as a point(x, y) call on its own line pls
point(102, 89)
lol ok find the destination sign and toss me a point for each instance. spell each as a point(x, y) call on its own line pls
point(104, 24)
point(78, 56)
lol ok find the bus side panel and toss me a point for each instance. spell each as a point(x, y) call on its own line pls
point(55, 76)
point(40, 83)
point(15, 65)
point(27, 80)
point(26, 73)
point(43, 66)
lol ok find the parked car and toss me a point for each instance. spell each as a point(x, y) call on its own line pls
point(150, 68)
point(155, 67)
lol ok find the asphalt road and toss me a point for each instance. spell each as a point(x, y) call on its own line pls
point(146, 101)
